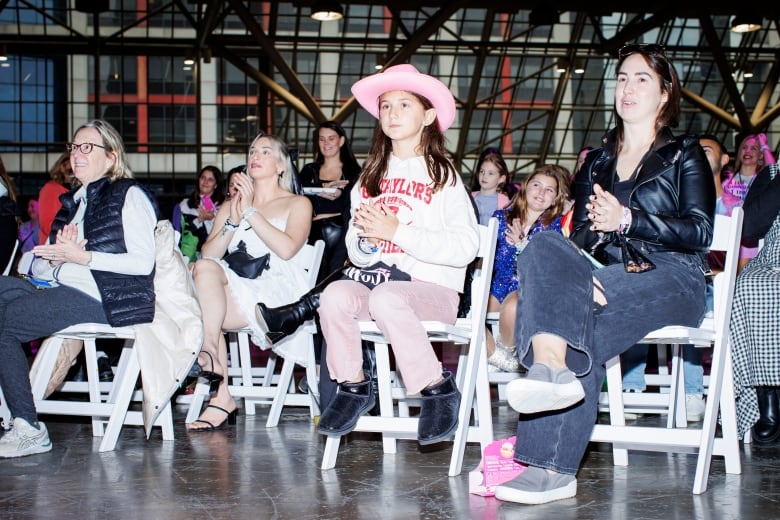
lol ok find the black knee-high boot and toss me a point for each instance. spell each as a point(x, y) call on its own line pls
point(282, 321)
point(766, 431)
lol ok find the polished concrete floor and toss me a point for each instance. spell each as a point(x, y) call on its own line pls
point(248, 471)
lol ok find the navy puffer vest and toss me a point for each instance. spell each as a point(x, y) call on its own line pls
point(127, 299)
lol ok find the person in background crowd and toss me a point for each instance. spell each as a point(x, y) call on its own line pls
point(60, 175)
point(335, 169)
point(753, 154)
point(9, 217)
point(538, 206)
point(488, 187)
point(194, 216)
point(30, 229)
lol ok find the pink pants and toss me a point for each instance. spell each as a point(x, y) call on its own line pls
point(398, 308)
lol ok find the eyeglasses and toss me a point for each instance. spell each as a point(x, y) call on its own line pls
point(84, 148)
point(644, 48)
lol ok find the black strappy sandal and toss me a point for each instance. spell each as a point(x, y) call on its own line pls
point(210, 376)
point(230, 420)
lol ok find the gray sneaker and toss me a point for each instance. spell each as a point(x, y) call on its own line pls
point(543, 390)
point(24, 439)
point(537, 486)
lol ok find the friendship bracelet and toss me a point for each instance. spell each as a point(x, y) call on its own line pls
point(626, 222)
point(367, 247)
point(229, 226)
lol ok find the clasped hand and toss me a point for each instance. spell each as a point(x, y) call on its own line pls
point(243, 198)
point(66, 247)
point(377, 221)
point(604, 210)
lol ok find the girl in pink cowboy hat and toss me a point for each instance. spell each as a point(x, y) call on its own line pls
point(409, 208)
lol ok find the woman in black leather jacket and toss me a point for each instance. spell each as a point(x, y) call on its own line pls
point(329, 180)
point(645, 204)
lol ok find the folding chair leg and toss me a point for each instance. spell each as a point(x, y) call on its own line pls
point(165, 421)
point(120, 396)
point(475, 386)
point(282, 389)
point(196, 403)
point(93, 383)
point(616, 417)
point(385, 392)
point(331, 452)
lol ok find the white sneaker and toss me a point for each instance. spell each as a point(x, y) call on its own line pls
point(543, 389)
point(694, 407)
point(24, 439)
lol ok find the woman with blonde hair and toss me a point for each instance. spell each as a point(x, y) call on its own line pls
point(264, 216)
point(97, 266)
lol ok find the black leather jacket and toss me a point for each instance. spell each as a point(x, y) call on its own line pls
point(672, 202)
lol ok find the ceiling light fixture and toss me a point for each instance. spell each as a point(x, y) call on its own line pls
point(543, 14)
point(327, 11)
point(189, 61)
point(746, 22)
point(579, 66)
point(747, 70)
point(3, 54)
point(561, 65)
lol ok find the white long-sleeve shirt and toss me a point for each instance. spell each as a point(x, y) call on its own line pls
point(138, 223)
point(437, 234)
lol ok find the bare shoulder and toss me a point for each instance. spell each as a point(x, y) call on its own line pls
point(290, 204)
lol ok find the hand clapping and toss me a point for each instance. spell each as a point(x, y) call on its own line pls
point(66, 248)
point(604, 210)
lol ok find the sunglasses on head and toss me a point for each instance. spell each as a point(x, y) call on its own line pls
point(644, 48)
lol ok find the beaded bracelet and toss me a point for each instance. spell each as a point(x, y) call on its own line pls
point(367, 247)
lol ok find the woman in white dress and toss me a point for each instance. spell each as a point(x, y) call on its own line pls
point(267, 217)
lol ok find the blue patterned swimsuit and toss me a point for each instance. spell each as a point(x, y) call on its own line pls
point(505, 267)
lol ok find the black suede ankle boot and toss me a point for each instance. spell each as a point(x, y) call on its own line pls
point(766, 431)
point(438, 411)
point(350, 402)
point(282, 321)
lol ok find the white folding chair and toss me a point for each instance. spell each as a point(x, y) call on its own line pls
point(109, 403)
point(10, 264)
point(711, 332)
point(471, 375)
point(262, 385)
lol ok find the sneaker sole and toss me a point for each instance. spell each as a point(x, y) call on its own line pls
point(531, 396)
point(43, 448)
point(509, 494)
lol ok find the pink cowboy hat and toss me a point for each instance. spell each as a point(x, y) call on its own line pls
point(406, 77)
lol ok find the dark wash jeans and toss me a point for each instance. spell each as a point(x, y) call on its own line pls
point(27, 313)
point(556, 296)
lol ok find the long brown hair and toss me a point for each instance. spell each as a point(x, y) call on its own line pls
point(440, 168)
point(59, 170)
point(518, 207)
point(9, 183)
